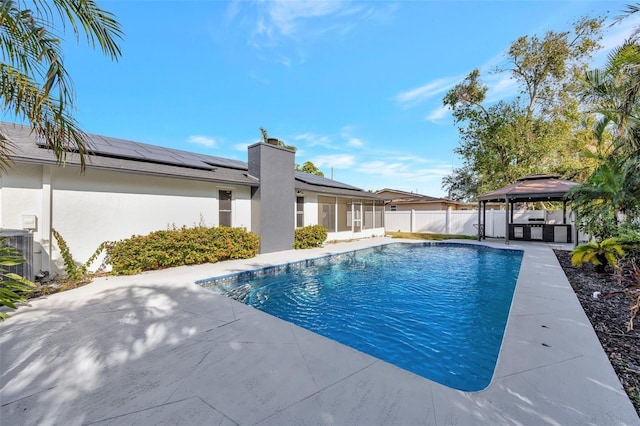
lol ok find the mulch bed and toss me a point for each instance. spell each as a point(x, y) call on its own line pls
point(609, 318)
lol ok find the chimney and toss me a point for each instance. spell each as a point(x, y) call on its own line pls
point(273, 202)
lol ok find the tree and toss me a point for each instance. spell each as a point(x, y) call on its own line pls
point(35, 86)
point(611, 196)
point(615, 93)
point(539, 131)
point(309, 167)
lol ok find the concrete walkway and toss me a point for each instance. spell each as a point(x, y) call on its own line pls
point(158, 349)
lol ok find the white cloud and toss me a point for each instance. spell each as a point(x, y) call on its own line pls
point(398, 171)
point(615, 37)
point(351, 141)
point(416, 96)
point(388, 168)
point(500, 86)
point(408, 158)
point(232, 10)
point(355, 142)
point(203, 140)
point(286, 61)
point(292, 24)
point(287, 16)
point(339, 161)
point(438, 114)
point(312, 139)
point(620, 32)
point(383, 168)
point(242, 146)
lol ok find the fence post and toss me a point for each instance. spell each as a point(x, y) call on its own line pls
point(447, 221)
point(412, 221)
point(491, 234)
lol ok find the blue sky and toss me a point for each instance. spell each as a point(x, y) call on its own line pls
point(355, 86)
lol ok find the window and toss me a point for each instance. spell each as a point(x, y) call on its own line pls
point(357, 216)
point(299, 212)
point(344, 215)
point(393, 208)
point(224, 208)
point(368, 215)
point(327, 213)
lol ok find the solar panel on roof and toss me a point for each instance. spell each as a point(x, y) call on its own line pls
point(224, 162)
point(123, 149)
point(322, 181)
point(210, 159)
point(111, 150)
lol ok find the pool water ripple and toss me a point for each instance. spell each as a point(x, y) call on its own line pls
point(436, 310)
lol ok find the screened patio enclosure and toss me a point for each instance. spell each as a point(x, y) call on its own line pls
point(532, 188)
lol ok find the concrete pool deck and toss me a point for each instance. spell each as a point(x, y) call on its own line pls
point(157, 348)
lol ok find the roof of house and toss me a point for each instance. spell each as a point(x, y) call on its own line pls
point(323, 185)
point(403, 197)
point(113, 154)
point(543, 187)
point(107, 153)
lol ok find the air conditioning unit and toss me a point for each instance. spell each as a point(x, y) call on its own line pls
point(23, 242)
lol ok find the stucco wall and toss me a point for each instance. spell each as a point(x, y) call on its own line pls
point(89, 208)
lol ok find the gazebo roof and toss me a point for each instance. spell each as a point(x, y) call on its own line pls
point(532, 188)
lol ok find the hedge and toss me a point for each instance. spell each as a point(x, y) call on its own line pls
point(310, 236)
point(178, 247)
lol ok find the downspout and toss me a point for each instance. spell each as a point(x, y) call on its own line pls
point(47, 215)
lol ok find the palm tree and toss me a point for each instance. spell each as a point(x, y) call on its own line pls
point(615, 90)
point(610, 198)
point(611, 195)
point(274, 141)
point(34, 84)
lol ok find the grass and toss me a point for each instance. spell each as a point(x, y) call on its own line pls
point(428, 236)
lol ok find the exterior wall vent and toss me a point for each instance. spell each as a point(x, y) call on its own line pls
point(23, 242)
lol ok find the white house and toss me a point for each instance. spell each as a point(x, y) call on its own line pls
point(130, 188)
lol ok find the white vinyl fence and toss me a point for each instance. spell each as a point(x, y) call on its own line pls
point(464, 222)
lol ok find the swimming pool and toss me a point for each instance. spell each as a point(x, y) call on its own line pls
point(437, 310)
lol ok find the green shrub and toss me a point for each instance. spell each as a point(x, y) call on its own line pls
point(600, 253)
point(310, 236)
point(75, 272)
point(178, 247)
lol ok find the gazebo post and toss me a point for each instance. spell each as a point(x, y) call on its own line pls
point(479, 220)
point(506, 220)
point(484, 219)
point(564, 212)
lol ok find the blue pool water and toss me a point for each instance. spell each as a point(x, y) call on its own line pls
point(437, 310)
